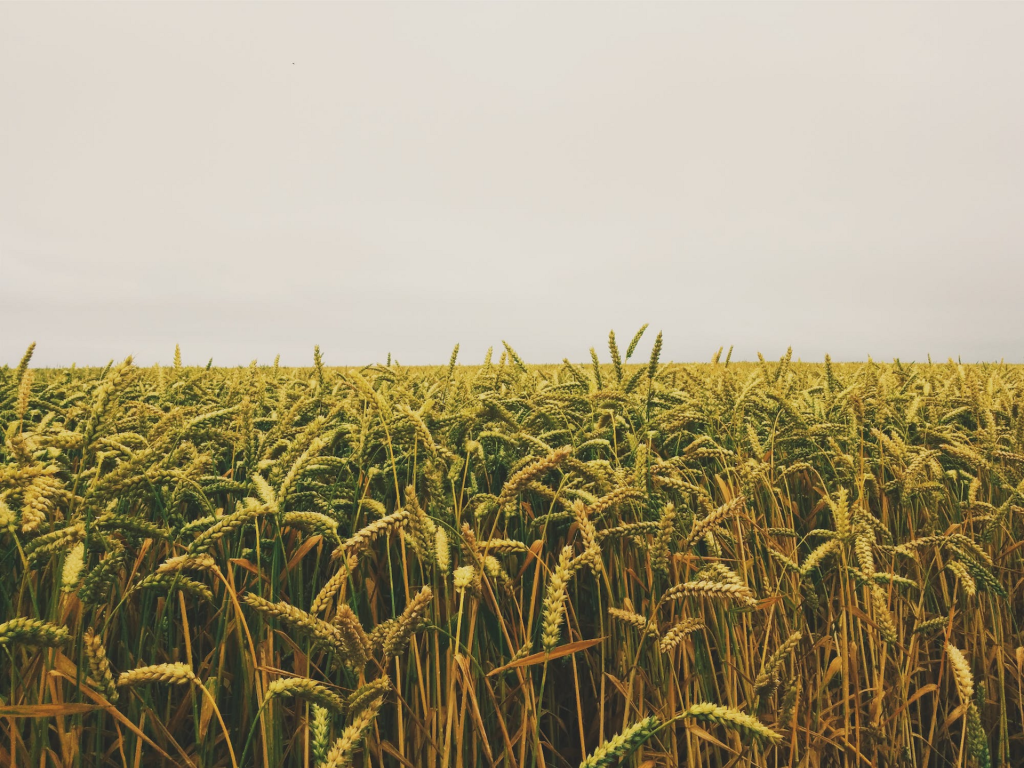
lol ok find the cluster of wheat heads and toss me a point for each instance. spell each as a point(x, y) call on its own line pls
point(640, 564)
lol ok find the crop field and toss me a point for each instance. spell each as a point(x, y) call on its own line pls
point(622, 562)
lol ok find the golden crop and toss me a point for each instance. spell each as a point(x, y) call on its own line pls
point(655, 564)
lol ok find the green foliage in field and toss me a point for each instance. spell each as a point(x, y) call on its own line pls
point(636, 563)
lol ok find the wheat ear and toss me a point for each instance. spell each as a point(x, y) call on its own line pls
point(622, 743)
point(175, 674)
point(32, 632)
point(731, 718)
point(344, 748)
point(99, 666)
point(309, 690)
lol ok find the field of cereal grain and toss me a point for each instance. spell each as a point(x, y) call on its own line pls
point(623, 562)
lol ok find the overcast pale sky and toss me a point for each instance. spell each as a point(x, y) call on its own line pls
point(248, 179)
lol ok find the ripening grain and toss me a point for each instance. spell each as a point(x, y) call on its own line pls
point(634, 563)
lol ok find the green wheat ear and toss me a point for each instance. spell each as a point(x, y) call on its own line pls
point(320, 733)
point(32, 632)
point(318, 361)
point(515, 358)
point(19, 372)
point(621, 744)
point(636, 340)
point(597, 369)
point(652, 366)
point(451, 362)
point(616, 360)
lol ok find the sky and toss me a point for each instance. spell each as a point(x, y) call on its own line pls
point(248, 180)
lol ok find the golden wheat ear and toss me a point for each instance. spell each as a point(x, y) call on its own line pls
point(367, 694)
point(343, 751)
point(321, 632)
point(961, 673)
point(174, 674)
point(769, 678)
point(308, 690)
point(678, 633)
point(407, 623)
point(731, 718)
point(712, 589)
point(634, 620)
point(555, 598)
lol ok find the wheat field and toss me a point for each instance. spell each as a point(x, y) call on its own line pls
point(623, 562)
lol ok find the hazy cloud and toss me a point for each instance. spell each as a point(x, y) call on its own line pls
point(248, 179)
